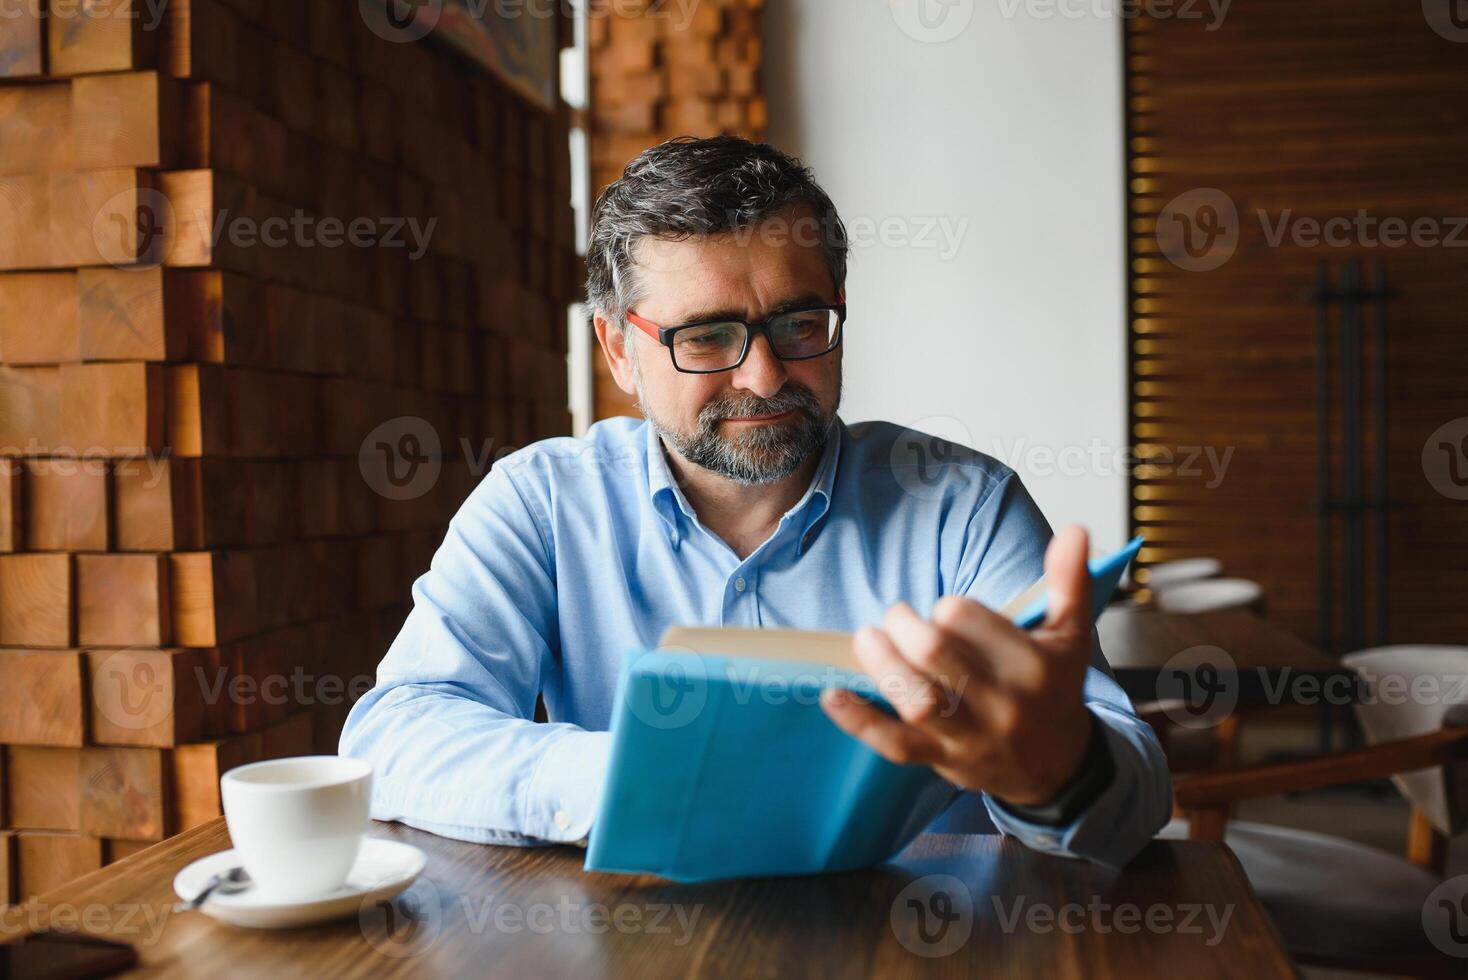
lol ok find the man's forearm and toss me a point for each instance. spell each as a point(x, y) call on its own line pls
point(460, 768)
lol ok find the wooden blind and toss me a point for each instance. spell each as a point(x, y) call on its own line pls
point(1244, 137)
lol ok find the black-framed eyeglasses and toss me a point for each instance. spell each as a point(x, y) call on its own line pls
point(710, 346)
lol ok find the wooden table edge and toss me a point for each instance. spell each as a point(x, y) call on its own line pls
point(1247, 887)
point(173, 854)
point(74, 892)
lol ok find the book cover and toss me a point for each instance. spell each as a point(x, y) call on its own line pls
point(723, 764)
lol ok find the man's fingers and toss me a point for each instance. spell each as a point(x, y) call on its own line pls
point(1001, 647)
point(933, 651)
point(918, 698)
point(885, 735)
point(1068, 609)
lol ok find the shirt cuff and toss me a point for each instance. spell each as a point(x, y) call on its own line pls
point(1096, 774)
point(561, 799)
point(1070, 840)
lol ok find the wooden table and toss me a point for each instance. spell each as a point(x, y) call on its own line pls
point(1273, 666)
point(953, 905)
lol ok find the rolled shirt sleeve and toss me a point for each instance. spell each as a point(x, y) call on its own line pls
point(448, 726)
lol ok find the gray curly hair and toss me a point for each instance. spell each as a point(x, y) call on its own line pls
point(686, 187)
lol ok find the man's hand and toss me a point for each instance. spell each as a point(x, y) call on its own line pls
point(986, 704)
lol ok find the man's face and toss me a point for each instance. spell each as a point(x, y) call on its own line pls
point(758, 422)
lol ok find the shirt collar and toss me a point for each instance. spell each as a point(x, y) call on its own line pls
point(666, 495)
point(817, 500)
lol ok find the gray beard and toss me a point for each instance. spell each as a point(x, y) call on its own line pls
point(762, 453)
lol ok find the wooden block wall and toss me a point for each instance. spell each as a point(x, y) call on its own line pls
point(658, 72)
point(201, 557)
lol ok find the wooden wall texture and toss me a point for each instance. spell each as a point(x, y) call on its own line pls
point(656, 74)
point(201, 552)
point(1293, 113)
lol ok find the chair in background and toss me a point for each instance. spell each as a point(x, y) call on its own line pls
point(1440, 798)
point(1211, 595)
point(1336, 902)
point(1191, 749)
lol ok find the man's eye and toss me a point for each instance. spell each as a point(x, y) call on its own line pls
point(799, 326)
point(717, 337)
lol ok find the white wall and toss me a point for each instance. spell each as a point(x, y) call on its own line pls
point(1009, 135)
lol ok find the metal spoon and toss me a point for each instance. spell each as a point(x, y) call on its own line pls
point(226, 882)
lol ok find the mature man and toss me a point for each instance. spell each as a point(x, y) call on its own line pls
point(717, 277)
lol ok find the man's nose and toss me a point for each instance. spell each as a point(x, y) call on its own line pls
point(762, 373)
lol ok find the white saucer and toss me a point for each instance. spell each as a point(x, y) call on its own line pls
point(382, 869)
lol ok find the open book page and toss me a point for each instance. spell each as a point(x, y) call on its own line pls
point(819, 647)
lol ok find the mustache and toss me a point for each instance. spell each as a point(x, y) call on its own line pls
point(792, 397)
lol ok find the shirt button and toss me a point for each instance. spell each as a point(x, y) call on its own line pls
point(739, 585)
point(1046, 840)
point(675, 538)
point(562, 819)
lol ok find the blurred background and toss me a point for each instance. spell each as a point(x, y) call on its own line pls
point(279, 282)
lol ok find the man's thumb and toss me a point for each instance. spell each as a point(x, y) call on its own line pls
point(1069, 580)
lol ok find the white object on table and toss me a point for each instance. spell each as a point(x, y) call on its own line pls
point(383, 869)
point(1166, 574)
point(1211, 595)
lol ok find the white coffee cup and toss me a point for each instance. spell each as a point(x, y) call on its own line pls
point(297, 823)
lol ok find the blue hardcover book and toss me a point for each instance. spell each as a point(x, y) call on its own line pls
point(723, 764)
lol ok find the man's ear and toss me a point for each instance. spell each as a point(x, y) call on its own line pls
point(614, 347)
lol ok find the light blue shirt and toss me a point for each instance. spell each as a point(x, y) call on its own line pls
point(572, 552)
